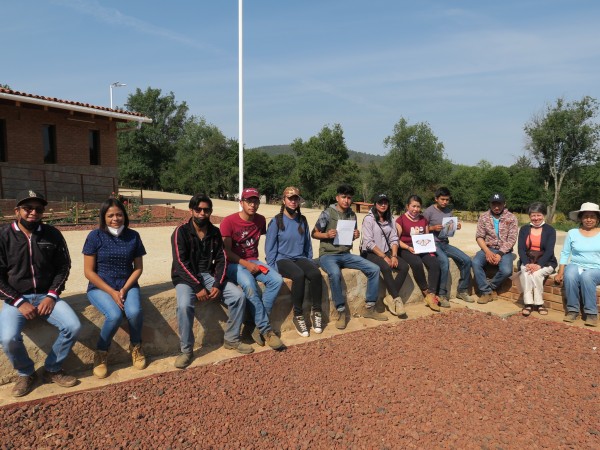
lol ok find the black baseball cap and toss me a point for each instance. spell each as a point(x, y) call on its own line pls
point(379, 197)
point(497, 197)
point(30, 194)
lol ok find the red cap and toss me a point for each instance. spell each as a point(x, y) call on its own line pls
point(249, 193)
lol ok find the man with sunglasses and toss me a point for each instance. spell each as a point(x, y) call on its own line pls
point(34, 266)
point(241, 232)
point(198, 273)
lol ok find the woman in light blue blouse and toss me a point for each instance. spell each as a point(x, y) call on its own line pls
point(580, 264)
point(112, 263)
point(289, 248)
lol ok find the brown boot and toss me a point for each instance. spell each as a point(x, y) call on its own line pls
point(137, 356)
point(24, 385)
point(100, 364)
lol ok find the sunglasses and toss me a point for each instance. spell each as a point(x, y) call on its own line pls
point(293, 198)
point(204, 210)
point(28, 209)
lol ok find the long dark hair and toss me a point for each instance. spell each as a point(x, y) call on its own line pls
point(303, 221)
point(109, 203)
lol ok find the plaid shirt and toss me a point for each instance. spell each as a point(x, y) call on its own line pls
point(508, 231)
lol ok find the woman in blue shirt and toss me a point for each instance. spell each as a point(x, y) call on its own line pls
point(113, 264)
point(580, 264)
point(289, 248)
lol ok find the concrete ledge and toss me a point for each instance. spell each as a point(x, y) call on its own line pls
point(160, 333)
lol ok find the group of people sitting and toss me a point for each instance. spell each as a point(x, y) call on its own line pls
point(222, 264)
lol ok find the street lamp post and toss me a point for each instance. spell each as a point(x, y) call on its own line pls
point(114, 85)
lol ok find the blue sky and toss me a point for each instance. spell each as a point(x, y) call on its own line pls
point(476, 71)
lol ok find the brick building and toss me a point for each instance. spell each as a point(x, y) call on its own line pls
point(65, 149)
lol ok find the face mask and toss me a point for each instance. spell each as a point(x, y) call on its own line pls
point(29, 226)
point(290, 211)
point(115, 231)
point(538, 226)
point(201, 222)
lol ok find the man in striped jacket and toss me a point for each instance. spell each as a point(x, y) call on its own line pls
point(198, 273)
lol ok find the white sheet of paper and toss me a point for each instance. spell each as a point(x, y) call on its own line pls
point(423, 243)
point(449, 227)
point(345, 232)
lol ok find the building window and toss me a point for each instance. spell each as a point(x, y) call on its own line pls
point(49, 138)
point(94, 144)
point(2, 140)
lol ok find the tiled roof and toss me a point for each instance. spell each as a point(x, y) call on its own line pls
point(26, 96)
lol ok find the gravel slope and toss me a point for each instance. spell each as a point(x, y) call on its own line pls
point(459, 380)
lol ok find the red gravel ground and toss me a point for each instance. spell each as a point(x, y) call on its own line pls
point(458, 380)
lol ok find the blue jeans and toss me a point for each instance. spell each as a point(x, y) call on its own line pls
point(584, 283)
point(505, 269)
point(333, 265)
point(445, 251)
point(114, 316)
point(12, 322)
point(260, 308)
point(231, 296)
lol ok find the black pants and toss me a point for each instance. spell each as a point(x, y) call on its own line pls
point(392, 284)
point(416, 263)
point(298, 271)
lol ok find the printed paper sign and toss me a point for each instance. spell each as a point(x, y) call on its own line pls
point(449, 227)
point(345, 232)
point(423, 243)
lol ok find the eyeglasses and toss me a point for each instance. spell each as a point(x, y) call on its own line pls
point(252, 201)
point(28, 209)
point(204, 210)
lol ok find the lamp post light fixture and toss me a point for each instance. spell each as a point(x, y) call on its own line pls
point(116, 84)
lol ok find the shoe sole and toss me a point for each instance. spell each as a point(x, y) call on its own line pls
point(65, 385)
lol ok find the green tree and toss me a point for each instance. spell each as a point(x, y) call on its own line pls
point(562, 139)
point(146, 152)
point(464, 182)
point(205, 161)
point(526, 185)
point(284, 173)
point(323, 163)
point(258, 170)
point(415, 163)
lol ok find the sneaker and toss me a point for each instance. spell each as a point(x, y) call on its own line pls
point(444, 303)
point(60, 378)
point(184, 360)
point(300, 325)
point(341, 323)
point(465, 297)
point(317, 322)
point(240, 347)
point(100, 364)
point(257, 337)
point(484, 298)
point(274, 341)
point(390, 304)
point(570, 317)
point(137, 356)
point(591, 320)
point(400, 311)
point(371, 313)
point(24, 385)
point(432, 301)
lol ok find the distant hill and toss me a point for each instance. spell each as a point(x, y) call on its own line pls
point(358, 157)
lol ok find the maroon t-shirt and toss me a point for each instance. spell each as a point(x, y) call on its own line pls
point(244, 234)
point(409, 228)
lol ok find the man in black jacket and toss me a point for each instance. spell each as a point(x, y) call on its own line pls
point(34, 266)
point(198, 273)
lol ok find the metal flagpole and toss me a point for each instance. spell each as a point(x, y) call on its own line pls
point(241, 98)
